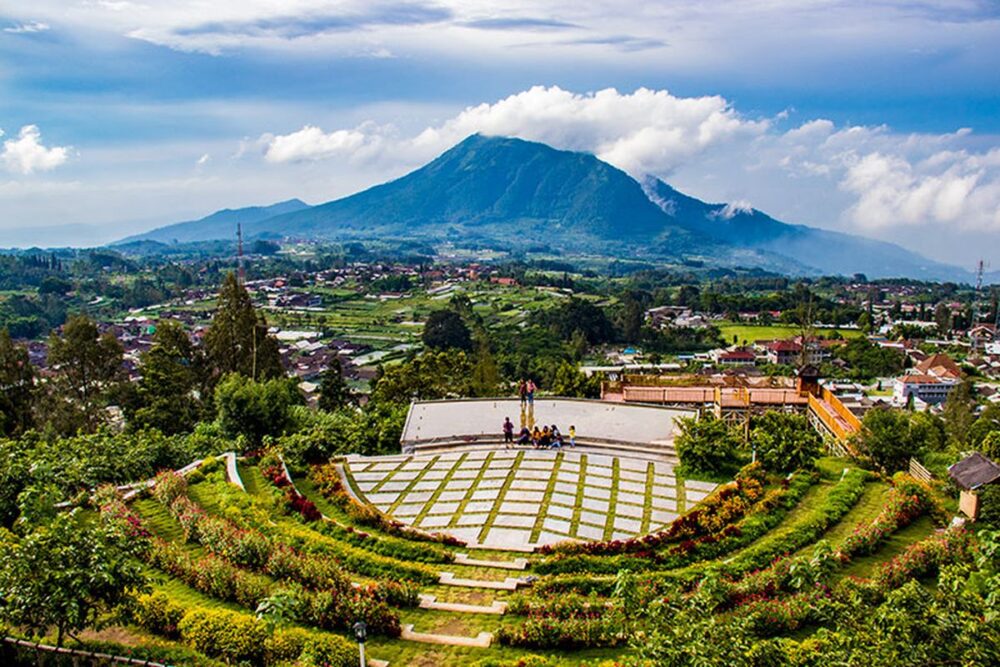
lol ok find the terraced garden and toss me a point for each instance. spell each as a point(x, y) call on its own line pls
point(295, 563)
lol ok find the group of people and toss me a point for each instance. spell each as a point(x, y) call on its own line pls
point(546, 437)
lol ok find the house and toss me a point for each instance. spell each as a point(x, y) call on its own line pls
point(941, 366)
point(970, 475)
point(930, 389)
point(982, 335)
point(784, 352)
point(740, 356)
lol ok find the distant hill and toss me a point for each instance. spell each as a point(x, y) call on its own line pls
point(219, 225)
point(515, 194)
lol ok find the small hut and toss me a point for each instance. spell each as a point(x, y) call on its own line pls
point(970, 475)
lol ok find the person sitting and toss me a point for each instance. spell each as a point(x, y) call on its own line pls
point(557, 441)
point(536, 436)
point(555, 431)
point(524, 437)
point(546, 438)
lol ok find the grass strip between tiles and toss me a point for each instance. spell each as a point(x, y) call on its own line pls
point(501, 493)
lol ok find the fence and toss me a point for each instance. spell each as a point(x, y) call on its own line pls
point(920, 472)
point(76, 655)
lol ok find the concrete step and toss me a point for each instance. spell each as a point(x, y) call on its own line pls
point(430, 602)
point(482, 640)
point(516, 564)
point(508, 584)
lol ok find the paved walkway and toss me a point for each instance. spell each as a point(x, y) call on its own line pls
point(520, 499)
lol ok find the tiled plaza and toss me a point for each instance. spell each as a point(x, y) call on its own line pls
point(522, 498)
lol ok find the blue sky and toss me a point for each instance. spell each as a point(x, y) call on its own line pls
point(877, 117)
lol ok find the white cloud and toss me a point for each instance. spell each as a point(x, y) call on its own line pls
point(647, 131)
point(27, 28)
point(26, 154)
point(203, 160)
point(949, 189)
point(734, 208)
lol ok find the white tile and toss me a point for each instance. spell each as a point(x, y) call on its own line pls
point(598, 471)
point(596, 518)
point(589, 532)
point(631, 511)
point(694, 497)
point(408, 510)
point(665, 504)
point(529, 484)
point(595, 492)
point(462, 473)
point(443, 508)
point(660, 516)
point(494, 483)
point(369, 476)
point(435, 474)
point(484, 494)
point(627, 525)
point(556, 526)
point(405, 476)
point(534, 474)
point(449, 496)
point(632, 464)
point(417, 497)
point(465, 534)
point(568, 477)
point(435, 521)
point(394, 486)
point(632, 487)
point(430, 485)
point(631, 498)
point(666, 491)
point(563, 487)
point(598, 460)
point(563, 498)
point(380, 498)
point(700, 486)
point(560, 511)
point(603, 482)
point(519, 508)
point(479, 506)
point(632, 476)
point(473, 519)
point(595, 505)
point(507, 537)
point(514, 521)
point(518, 495)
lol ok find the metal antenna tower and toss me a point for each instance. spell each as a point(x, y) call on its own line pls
point(239, 253)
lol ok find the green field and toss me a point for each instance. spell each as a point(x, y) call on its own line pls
point(752, 333)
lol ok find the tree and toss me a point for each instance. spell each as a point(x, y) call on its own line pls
point(171, 378)
point(942, 317)
point(888, 438)
point(785, 442)
point(485, 376)
point(958, 415)
point(68, 574)
point(988, 422)
point(445, 330)
point(255, 409)
point(569, 380)
point(333, 390)
point(706, 445)
point(88, 366)
point(17, 387)
point(237, 341)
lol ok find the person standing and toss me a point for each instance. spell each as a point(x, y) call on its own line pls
point(522, 392)
point(530, 391)
point(572, 435)
point(508, 432)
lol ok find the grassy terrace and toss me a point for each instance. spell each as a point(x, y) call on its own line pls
point(798, 530)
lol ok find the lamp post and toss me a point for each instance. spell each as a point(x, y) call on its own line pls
point(360, 633)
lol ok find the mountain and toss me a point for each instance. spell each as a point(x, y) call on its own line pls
point(829, 252)
point(509, 193)
point(219, 225)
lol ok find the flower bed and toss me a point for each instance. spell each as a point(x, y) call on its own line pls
point(923, 558)
point(907, 500)
point(714, 515)
point(274, 471)
point(599, 631)
point(768, 512)
point(328, 482)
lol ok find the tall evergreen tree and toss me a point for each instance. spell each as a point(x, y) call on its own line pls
point(171, 377)
point(17, 387)
point(333, 390)
point(237, 341)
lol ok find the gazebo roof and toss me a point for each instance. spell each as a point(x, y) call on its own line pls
point(974, 471)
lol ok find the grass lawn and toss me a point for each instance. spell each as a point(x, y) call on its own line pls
point(752, 333)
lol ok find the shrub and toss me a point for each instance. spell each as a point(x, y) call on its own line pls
point(158, 614)
point(168, 486)
point(228, 635)
point(707, 445)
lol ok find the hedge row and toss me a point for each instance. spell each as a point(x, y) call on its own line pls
point(330, 609)
point(236, 637)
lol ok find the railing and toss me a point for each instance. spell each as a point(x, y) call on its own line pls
point(919, 471)
point(97, 658)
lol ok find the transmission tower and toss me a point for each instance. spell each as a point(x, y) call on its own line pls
point(241, 274)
